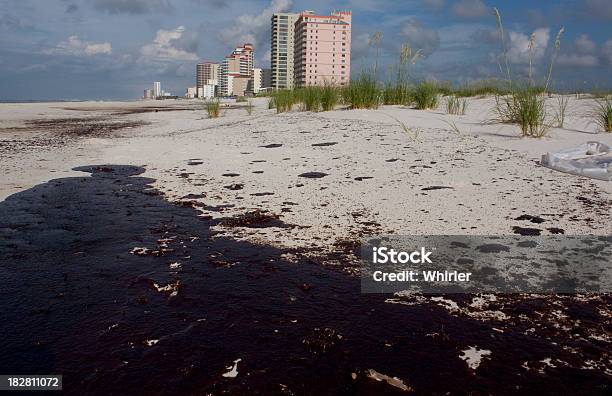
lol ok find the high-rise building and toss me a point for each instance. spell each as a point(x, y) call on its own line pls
point(207, 73)
point(148, 94)
point(282, 49)
point(257, 80)
point(322, 52)
point(191, 92)
point(157, 92)
point(235, 70)
point(207, 91)
point(266, 79)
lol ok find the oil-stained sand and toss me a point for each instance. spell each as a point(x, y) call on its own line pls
point(121, 291)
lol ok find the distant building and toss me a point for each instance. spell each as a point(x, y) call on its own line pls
point(207, 91)
point(257, 81)
point(235, 68)
point(148, 94)
point(207, 73)
point(322, 52)
point(282, 50)
point(157, 92)
point(266, 79)
point(191, 93)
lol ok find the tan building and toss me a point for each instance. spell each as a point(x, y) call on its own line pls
point(322, 52)
point(207, 73)
point(238, 65)
point(282, 49)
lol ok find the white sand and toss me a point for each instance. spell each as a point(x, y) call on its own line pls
point(493, 173)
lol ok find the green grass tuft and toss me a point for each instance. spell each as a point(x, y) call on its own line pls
point(362, 93)
point(213, 108)
point(602, 113)
point(455, 105)
point(426, 95)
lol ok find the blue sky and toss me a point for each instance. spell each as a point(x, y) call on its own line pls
point(113, 49)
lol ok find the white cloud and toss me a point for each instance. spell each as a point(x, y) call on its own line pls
point(76, 47)
point(470, 9)
point(577, 60)
point(253, 28)
point(420, 37)
point(163, 47)
point(584, 44)
point(518, 51)
point(581, 53)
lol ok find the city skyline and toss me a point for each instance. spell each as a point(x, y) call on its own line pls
point(97, 49)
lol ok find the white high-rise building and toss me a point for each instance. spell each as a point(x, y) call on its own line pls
point(207, 91)
point(157, 92)
point(191, 92)
point(257, 80)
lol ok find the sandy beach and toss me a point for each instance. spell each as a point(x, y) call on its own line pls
point(141, 227)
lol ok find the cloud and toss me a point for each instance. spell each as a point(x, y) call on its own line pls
point(253, 29)
point(577, 60)
point(490, 37)
point(8, 22)
point(168, 46)
point(584, 44)
point(71, 8)
point(470, 9)
point(132, 6)
point(420, 37)
point(360, 45)
point(76, 47)
point(518, 48)
point(598, 9)
point(435, 4)
point(606, 50)
point(581, 53)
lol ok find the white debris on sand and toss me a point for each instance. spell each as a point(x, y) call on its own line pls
point(151, 342)
point(473, 356)
point(233, 370)
point(393, 381)
point(140, 251)
point(170, 289)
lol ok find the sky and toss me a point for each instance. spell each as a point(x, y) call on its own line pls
point(114, 49)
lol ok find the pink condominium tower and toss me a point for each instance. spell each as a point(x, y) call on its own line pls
point(322, 52)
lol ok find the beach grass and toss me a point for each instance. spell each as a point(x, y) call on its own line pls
point(560, 110)
point(362, 93)
point(396, 94)
point(525, 107)
point(602, 114)
point(425, 95)
point(309, 98)
point(284, 100)
point(329, 97)
point(249, 106)
point(456, 105)
point(530, 111)
point(213, 108)
point(525, 103)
